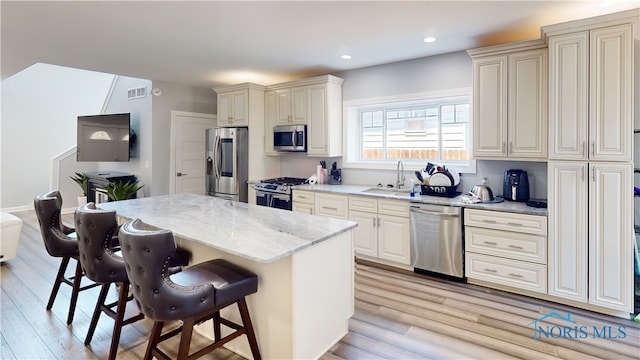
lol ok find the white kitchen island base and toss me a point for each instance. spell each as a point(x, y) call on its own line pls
point(303, 304)
point(304, 263)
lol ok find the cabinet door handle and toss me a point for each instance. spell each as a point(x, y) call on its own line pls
point(516, 275)
point(593, 174)
point(510, 148)
point(330, 208)
point(490, 242)
point(514, 224)
point(593, 148)
point(584, 148)
point(493, 271)
point(374, 222)
point(504, 144)
point(379, 222)
point(582, 172)
point(516, 247)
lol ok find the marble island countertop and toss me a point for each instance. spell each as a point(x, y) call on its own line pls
point(257, 233)
point(403, 194)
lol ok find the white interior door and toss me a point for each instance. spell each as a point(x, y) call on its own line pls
point(188, 147)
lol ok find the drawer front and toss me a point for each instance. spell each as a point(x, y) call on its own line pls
point(514, 273)
point(393, 207)
point(332, 205)
point(363, 203)
point(302, 208)
point(531, 224)
point(512, 245)
point(303, 196)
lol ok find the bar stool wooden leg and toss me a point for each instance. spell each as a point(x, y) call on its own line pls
point(154, 338)
point(59, 279)
point(96, 313)
point(119, 320)
point(185, 338)
point(216, 326)
point(74, 293)
point(246, 321)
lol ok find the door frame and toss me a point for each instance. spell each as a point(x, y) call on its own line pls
point(175, 114)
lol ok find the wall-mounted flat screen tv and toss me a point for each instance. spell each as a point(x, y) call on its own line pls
point(106, 137)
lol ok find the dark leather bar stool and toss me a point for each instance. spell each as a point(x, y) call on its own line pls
point(60, 241)
point(194, 295)
point(96, 230)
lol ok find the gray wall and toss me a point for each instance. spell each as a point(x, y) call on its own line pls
point(151, 119)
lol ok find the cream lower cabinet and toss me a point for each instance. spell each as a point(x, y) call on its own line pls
point(331, 205)
point(506, 249)
point(303, 201)
point(383, 229)
point(591, 233)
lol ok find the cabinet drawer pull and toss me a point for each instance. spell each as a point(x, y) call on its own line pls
point(493, 271)
point(516, 247)
point(330, 208)
point(516, 275)
point(301, 197)
point(489, 221)
point(490, 242)
point(514, 224)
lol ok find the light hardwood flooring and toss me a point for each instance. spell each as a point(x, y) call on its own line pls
point(399, 315)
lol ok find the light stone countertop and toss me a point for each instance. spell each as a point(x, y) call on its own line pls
point(506, 206)
point(254, 232)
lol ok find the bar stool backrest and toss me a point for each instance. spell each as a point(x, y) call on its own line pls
point(96, 229)
point(57, 243)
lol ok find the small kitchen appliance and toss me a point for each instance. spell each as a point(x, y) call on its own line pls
point(516, 185)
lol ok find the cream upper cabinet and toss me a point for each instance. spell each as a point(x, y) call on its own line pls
point(291, 106)
point(510, 101)
point(233, 108)
point(270, 120)
point(591, 233)
point(316, 102)
point(590, 94)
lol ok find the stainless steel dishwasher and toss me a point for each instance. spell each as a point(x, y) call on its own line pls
point(437, 240)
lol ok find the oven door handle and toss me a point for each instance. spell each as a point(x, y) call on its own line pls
point(282, 197)
point(434, 213)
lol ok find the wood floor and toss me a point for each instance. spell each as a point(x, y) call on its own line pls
point(398, 316)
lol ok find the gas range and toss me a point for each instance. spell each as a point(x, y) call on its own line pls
point(281, 185)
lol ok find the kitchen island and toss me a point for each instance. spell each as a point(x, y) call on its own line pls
point(305, 266)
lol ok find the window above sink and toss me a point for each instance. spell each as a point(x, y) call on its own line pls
point(415, 128)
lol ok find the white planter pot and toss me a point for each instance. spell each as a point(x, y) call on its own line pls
point(82, 200)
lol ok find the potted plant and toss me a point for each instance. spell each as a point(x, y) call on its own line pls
point(82, 181)
point(118, 190)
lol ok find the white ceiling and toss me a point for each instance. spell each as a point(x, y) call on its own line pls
point(211, 43)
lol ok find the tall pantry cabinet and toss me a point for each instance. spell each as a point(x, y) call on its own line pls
point(590, 170)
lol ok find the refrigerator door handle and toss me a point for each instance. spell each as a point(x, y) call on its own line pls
point(218, 156)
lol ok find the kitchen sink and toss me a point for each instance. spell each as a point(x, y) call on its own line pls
point(387, 191)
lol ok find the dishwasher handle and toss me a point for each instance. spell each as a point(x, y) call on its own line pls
point(429, 212)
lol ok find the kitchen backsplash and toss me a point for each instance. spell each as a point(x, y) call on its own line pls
point(299, 165)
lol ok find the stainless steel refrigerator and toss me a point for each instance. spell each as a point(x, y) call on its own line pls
point(228, 163)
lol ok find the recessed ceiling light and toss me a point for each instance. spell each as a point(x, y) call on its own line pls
point(345, 57)
point(429, 39)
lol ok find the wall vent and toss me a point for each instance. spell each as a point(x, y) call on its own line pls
point(136, 93)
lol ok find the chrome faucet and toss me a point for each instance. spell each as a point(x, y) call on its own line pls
point(400, 175)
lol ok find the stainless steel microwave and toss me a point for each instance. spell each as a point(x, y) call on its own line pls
point(290, 138)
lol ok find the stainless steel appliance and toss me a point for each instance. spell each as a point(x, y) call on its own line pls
point(227, 163)
point(290, 138)
point(276, 193)
point(516, 185)
point(437, 246)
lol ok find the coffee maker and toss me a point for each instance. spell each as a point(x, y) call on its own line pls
point(516, 185)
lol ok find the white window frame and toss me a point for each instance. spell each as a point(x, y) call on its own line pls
point(352, 141)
